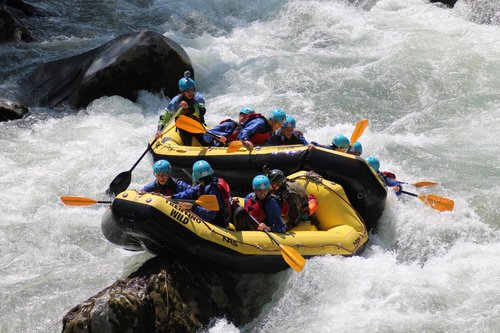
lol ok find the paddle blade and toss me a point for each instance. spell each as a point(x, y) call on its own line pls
point(190, 125)
point(360, 128)
point(234, 146)
point(424, 183)
point(437, 202)
point(209, 202)
point(77, 201)
point(120, 183)
point(292, 258)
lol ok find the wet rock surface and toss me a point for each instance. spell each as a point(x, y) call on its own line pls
point(162, 296)
point(10, 110)
point(131, 62)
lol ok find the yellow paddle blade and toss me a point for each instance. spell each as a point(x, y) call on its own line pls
point(234, 146)
point(292, 258)
point(424, 183)
point(437, 202)
point(78, 201)
point(360, 128)
point(209, 202)
point(190, 125)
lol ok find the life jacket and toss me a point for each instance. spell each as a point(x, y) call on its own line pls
point(284, 208)
point(168, 189)
point(259, 138)
point(194, 109)
point(226, 196)
point(388, 174)
point(224, 213)
point(255, 208)
point(236, 131)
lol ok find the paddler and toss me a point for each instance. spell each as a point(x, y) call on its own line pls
point(287, 134)
point(389, 181)
point(164, 184)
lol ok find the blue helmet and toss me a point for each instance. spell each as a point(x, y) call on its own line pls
point(357, 147)
point(261, 182)
point(341, 141)
point(278, 115)
point(289, 122)
point(374, 162)
point(162, 166)
point(247, 110)
point(201, 169)
point(186, 82)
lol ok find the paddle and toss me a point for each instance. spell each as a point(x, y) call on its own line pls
point(291, 256)
point(192, 126)
point(434, 201)
point(122, 181)
point(207, 201)
point(234, 146)
point(358, 131)
point(422, 183)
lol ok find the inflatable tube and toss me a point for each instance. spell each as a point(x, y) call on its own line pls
point(150, 222)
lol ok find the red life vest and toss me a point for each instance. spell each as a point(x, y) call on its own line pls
point(234, 135)
point(259, 138)
point(389, 174)
point(226, 195)
point(284, 208)
point(255, 208)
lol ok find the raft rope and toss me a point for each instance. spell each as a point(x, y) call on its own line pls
point(312, 176)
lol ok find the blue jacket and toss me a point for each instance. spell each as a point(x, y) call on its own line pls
point(252, 127)
point(172, 186)
point(392, 182)
point(225, 128)
point(194, 192)
point(277, 139)
point(272, 211)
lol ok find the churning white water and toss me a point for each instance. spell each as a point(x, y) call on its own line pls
point(428, 80)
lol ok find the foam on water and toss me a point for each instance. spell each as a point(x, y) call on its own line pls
point(426, 78)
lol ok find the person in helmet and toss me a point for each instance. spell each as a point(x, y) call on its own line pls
point(339, 143)
point(189, 103)
point(389, 181)
point(207, 183)
point(356, 149)
point(296, 205)
point(256, 129)
point(228, 129)
point(164, 184)
point(261, 210)
point(287, 134)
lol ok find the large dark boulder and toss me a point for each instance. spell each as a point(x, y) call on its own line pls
point(10, 110)
point(22, 8)
point(11, 29)
point(449, 3)
point(162, 296)
point(136, 61)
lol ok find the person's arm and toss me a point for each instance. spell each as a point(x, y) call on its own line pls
point(394, 184)
point(301, 137)
point(188, 194)
point(181, 185)
point(200, 101)
point(174, 104)
point(273, 213)
point(253, 127)
point(150, 187)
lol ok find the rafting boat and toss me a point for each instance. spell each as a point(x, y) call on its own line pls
point(150, 222)
point(364, 189)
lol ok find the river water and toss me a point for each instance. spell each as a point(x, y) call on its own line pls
point(427, 78)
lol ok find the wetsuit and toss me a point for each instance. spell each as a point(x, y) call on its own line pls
point(171, 187)
point(278, 139)
point(264, 211)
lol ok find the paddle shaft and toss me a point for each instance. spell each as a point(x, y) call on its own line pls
point(409, 193)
